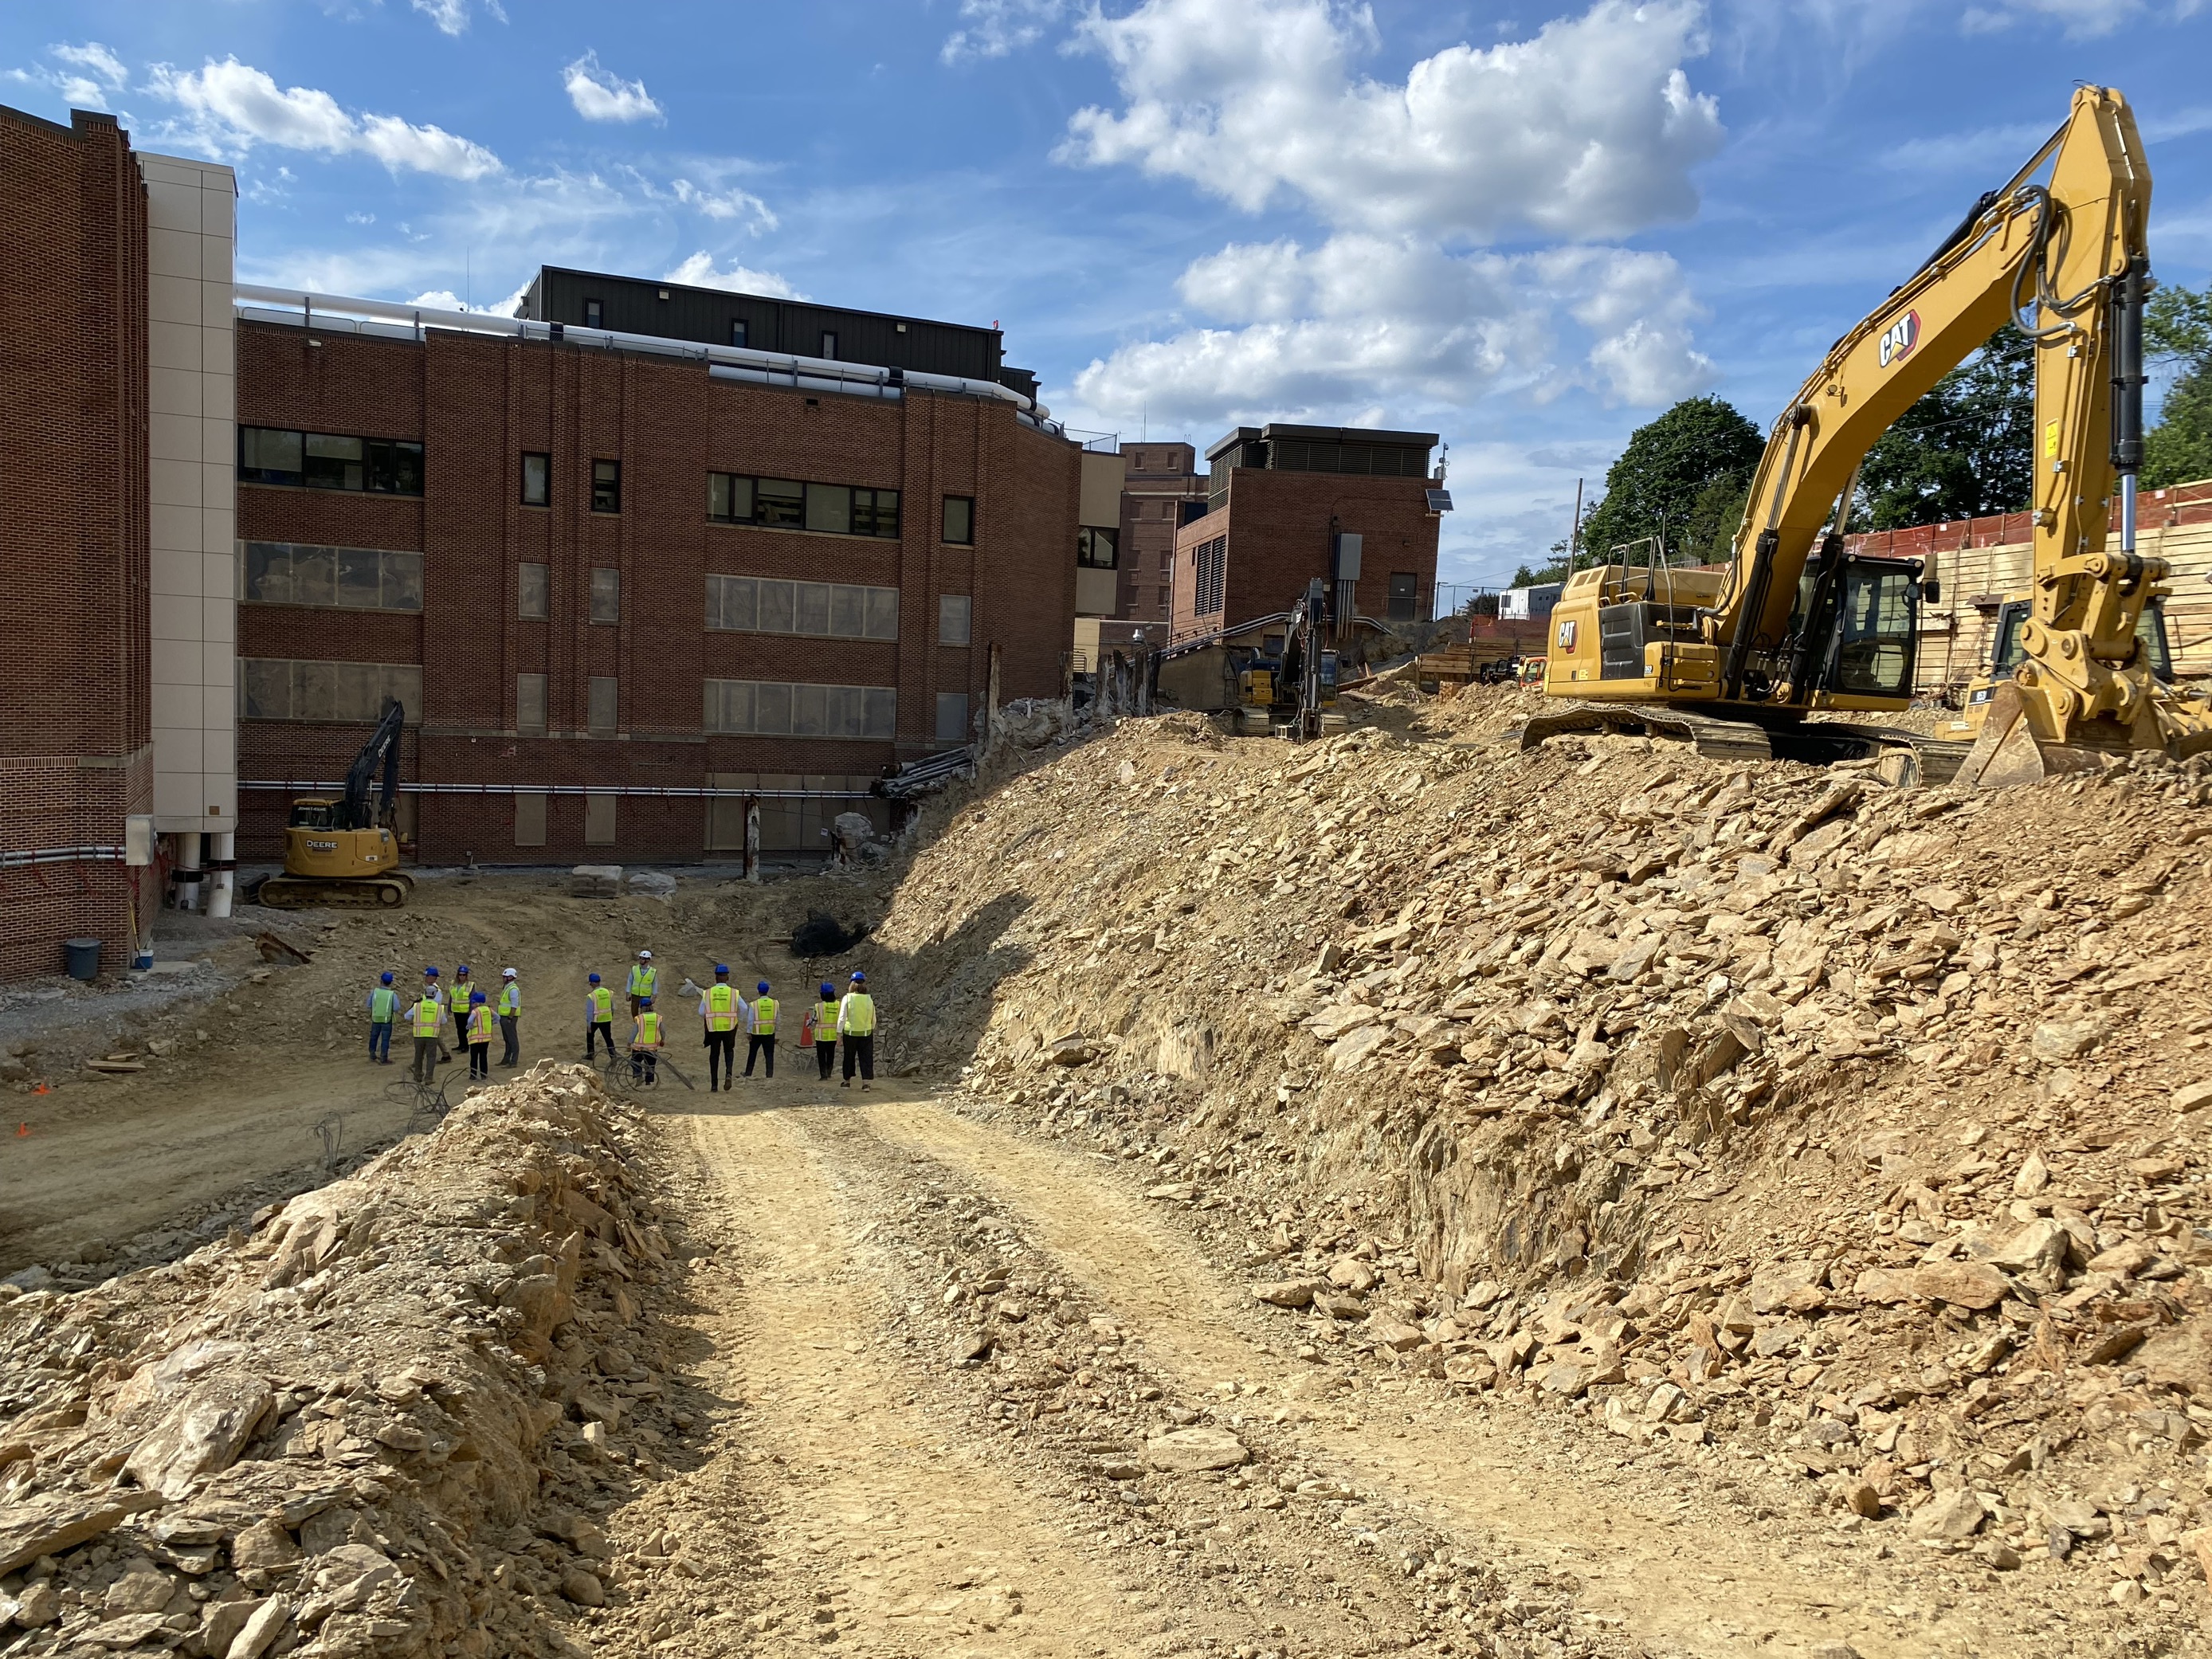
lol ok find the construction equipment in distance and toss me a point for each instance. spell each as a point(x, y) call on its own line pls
point(1289, 689)
point(342, 852)
point(2008, 651)
point(1738, 658)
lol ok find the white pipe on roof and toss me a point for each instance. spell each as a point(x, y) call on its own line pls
point(761, 364)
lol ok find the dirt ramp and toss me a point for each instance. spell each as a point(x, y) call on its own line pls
point(376, 1423)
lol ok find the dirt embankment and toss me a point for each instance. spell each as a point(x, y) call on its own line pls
point(1859, 1130)
point(376, 1423)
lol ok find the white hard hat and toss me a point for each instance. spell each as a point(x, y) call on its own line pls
point(506, 973)
point(645, 955)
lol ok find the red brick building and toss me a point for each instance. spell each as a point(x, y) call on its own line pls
point(77, 754)
point(1279, 499)
point(1161, 489)
point(608, 575)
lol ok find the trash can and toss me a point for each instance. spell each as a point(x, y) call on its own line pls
point(83, 959)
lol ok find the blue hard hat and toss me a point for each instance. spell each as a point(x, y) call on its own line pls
point(721, 968)
point(859, 978)
point(429, 973)
point(461, 967)
point(645, 1002)
point(388, 976)
point(595, 979)
point(827, 989)
point(476, 996)
point(761, 988)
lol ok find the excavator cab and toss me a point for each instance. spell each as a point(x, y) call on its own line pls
point(1852, 634)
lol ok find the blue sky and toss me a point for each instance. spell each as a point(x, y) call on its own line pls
point(1526, 226)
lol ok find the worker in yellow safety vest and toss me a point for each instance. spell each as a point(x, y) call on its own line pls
point(856, 1029)
point(644, 980)
point(825, 1029)
point(383, 1009)
point(720, 1008)
point(598, 1018)
point(509, 1010)
point(428, 1018)
point(479, 1029)
point(645, 1044)
point(762, 1039)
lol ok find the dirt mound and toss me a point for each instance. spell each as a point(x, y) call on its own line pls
point(1857, 1127)
point(371, 1424)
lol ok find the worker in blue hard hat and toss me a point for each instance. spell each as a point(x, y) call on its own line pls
point(598, 1018)
point(645, 1043)
point(720, 1010)
point(478, 1028)
point(824, 1019)
point(760, 1037)
point(383, 1009)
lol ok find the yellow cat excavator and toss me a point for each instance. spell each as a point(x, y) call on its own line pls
point(1738, 657)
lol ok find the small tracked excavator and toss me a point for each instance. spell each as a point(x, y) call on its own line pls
point(1737, 658)
point(342, 852)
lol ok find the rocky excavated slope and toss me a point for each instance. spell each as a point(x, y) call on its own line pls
point(377, 1423)
point(1857, 1129)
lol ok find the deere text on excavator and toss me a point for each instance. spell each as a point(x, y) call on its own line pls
point(1737, 658)
point(342, 852)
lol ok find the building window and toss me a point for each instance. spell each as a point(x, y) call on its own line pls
point(606, 486)
point(345, 577)
point(1098, 549)
point(533, 592)
point(537, 479)
point(952, 717)
point(329, 693)
point(787, 504)
point(593, 315)
point(829, 344)
point(1211, 560)
point(760, 605)
point(600, 820)
point(737, 330)
point(324, 460)
point(606, 596)
point(953, 611)
point(1405, 596)
point(529, 819)
point(777, 709)
point(530, 705)
point(600, 711)
point(960, 520)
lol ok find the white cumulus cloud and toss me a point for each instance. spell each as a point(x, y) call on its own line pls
point(231, 106)
point(994, 28)
point(451, 16)
point(699, 271)
point(1587, 130)
point(444, 299)
point(2080, 20)
point(84, 75)
point(601, 95)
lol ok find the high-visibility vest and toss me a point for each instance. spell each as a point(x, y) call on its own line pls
point(857, 1018)
point(721, 1008)
point(429, 1017)
point(648, 1029)
point(764, 1016)
point(462, 989)
point(603, 1004)
point(642, 979)
point(825, 1023)
point(480, 1024)
point(382, 1002)
point(510, 998)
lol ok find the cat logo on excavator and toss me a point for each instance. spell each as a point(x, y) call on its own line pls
point(1901, 337)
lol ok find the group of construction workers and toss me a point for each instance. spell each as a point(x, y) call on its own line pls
point(849, 1020)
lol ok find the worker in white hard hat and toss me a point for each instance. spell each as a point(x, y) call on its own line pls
point(644, 979)
point(509, 1010)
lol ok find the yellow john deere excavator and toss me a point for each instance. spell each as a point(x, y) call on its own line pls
point(342, 852)
point(1737, 658)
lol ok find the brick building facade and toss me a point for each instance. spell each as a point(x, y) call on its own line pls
point(76, 754)
point(1277, 494)
point(594, 576)
point(1162, 489)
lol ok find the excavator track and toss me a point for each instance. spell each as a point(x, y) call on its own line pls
point(367, 893)
point(1917, 759)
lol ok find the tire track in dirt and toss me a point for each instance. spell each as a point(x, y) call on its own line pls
point(1717, 1589)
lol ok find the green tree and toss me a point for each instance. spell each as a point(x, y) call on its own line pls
point(1677, 478)
point(2178, 329)
point(1967, 448)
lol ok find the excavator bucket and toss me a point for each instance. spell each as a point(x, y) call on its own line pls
point(2011, 751)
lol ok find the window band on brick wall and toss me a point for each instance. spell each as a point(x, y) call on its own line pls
point(763, 604)
point(782, 709)
point(325, 460)
point(326, 693)
point(790, 504)
point(340, 578)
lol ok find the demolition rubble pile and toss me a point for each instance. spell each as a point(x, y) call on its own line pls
point(1864, 1128)
point(379, 1422)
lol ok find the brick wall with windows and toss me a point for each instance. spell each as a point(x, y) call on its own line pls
point(75, 721)
point(479, 405)
point(1161, 482)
